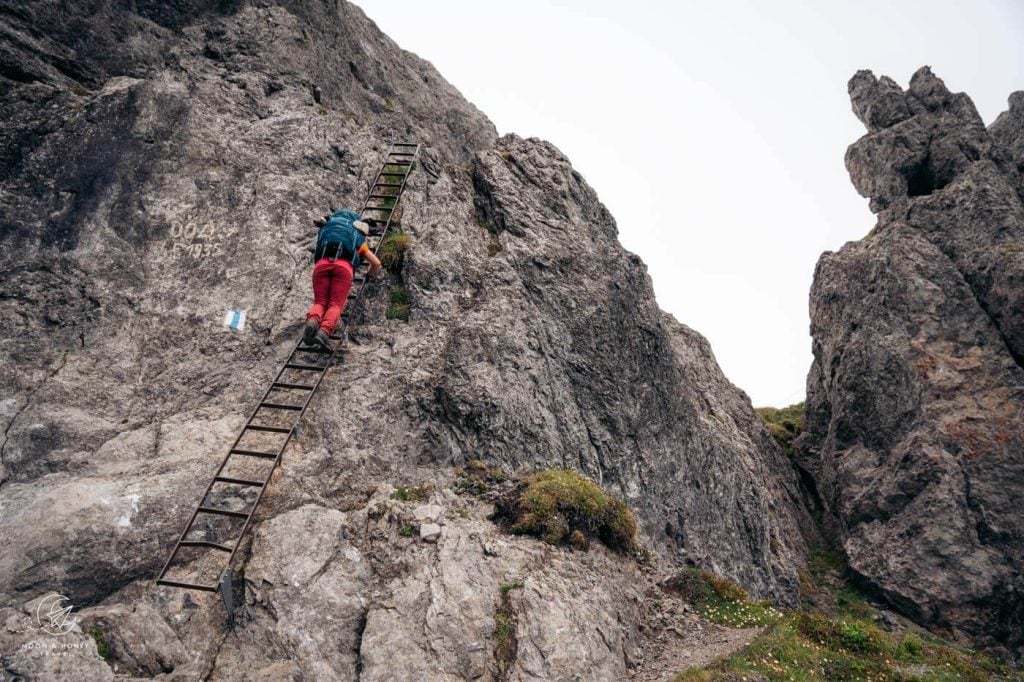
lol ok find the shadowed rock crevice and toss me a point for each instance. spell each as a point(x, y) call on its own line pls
point(921, 179)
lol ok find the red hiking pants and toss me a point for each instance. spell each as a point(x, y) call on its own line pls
point(332, 281)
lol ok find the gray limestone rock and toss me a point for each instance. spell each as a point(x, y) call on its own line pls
point(1008, 133)
point(914, 431)
point(430, 532)
point(154, 177)
point(877, 102)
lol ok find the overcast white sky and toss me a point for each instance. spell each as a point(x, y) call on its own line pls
point(714, 131)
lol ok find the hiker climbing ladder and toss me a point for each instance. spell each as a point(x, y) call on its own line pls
point(225, 510)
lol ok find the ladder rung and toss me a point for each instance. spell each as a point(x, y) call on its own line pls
point(398, 163)
point(292, 387)
point(224, 512)
point(312, 349)
point(268, 429)
point(405, 144)
point(254, 453)
point(187, 586)
point(296, 365)
point(394, 175)
point(240, 481)
point(204, 543)
point(382, 196)
point(280, 406)
point(401, 153)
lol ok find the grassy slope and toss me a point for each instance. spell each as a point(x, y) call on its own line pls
point(834, 636)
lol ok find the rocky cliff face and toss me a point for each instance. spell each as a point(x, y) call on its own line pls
point(159, 167)
point(916, 395)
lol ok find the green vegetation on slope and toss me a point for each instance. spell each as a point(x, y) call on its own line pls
point(810, 645)
point(720, 601)
point(785, 424)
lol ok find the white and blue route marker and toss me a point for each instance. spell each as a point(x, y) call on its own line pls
point(235, 320)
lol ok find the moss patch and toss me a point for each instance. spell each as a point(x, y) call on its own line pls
point(553, 505)
point(784, 424)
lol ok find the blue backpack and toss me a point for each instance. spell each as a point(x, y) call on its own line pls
point(339, 238)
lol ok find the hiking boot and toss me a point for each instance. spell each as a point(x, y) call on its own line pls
point(323, 340)
point(309, 332)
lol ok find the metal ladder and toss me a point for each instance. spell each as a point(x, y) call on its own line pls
point(299, 377)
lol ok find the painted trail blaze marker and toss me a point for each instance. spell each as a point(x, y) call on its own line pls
point(235, 319)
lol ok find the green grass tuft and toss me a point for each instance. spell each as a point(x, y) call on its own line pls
point(553, 504)
point(413, 493)
point(392, 250)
